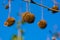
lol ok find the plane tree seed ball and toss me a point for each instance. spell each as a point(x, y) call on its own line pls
point(7, 6)
point(55, 8)
point(28, 17)
point(24, 16)
point(10, 21)
point(42, 24)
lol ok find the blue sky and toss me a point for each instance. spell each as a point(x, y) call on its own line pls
point(32, 31)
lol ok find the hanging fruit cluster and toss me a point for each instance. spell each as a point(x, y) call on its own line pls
point(42, 24)
point(10, 21)
point(28, 17)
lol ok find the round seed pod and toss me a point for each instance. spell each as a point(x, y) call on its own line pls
point(55, 8)
point(10, 21)
point(28, 17)
point(42, 24)
point(7, 6)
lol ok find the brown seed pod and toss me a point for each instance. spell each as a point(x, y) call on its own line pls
point(55, 8)
point(7, 6)
point(42, 24)
point(10, 21)
point(28, 17)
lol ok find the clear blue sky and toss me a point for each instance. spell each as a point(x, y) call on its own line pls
point(32, 31)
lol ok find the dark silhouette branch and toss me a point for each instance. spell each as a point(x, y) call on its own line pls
point(31, 1)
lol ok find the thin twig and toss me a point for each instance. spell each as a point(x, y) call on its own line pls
point(44, 6)
point(9, 8)
point(42, 11)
